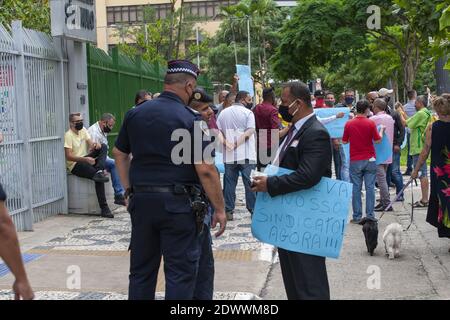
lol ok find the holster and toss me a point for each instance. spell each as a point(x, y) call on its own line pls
point(199, 206)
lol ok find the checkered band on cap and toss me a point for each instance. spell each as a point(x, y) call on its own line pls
point(182, 66)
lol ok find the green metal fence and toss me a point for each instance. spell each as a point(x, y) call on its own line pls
point(113, 81)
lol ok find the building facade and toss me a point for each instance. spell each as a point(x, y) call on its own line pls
point(112, 14)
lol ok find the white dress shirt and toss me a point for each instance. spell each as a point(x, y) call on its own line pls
point(297, 128)
point(97, 134)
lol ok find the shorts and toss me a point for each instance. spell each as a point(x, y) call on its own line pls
point(423, 169)
point(2, 193)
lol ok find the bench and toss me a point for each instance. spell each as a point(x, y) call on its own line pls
point(82, 198)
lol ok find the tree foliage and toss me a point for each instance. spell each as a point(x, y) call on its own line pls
point(335, 34)
point(265, 20)
point(35, 14)
point(160, 40)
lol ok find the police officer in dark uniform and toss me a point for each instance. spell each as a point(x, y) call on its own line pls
point(167, 199)
point(200, 104)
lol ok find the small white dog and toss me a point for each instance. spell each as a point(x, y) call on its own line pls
point(392, 239)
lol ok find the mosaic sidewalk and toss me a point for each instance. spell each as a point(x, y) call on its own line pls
point(103, 243)
point(68, 295)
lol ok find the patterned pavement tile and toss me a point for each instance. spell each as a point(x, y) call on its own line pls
point(26, 257)
point(68, 295)
point(114, 234)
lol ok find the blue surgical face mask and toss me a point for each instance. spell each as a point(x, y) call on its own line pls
point(349, 100)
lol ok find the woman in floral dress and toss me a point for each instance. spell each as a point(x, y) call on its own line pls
point(438, 142)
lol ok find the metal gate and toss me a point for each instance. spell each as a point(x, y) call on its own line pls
point(32, 100)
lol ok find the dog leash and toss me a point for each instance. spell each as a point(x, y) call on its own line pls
point(397, 197)
point(412, 205)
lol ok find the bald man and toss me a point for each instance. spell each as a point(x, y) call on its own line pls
point(372, 96)
point(219, 107)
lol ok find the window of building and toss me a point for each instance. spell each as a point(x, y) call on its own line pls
point(135, 14)
point(207, 9)
point(162, 11)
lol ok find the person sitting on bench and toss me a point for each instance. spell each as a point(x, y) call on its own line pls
point(84, 164)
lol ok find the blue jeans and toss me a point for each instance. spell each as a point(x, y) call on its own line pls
point(394, 174)
point(363, 170)
point(110, 166)
point(230, 181)
point(409, 159)
point(345, 173)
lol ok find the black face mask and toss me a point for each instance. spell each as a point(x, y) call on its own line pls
point(79, 125)
point(106, 129)
point(284, 112)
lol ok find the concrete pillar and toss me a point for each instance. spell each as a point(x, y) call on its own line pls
point(78, 79)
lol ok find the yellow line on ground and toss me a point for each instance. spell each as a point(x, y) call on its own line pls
point(230, 255)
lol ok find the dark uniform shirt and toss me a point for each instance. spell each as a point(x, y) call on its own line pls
point(147, 133)
point(2, 193)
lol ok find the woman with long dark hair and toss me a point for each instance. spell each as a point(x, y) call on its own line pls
point(437, 141)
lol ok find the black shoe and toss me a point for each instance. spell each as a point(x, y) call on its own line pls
point(120, 200)
point(389, 210)
point(407, 173)
point(378, 206)
point(100, 177)
point(106, 213)
point(229, 216)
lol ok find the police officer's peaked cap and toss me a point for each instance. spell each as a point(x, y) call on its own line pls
point(183, 66)
point(200, 95)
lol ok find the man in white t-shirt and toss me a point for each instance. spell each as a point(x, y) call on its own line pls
point(99, 133)
point(237, 124)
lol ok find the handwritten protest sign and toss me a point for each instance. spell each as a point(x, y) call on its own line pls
point(336, 127)
point(245, 79)
point(383, 150)
point(309, 221)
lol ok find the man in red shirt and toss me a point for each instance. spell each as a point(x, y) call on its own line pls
point(361, 133)
point(267, 120)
